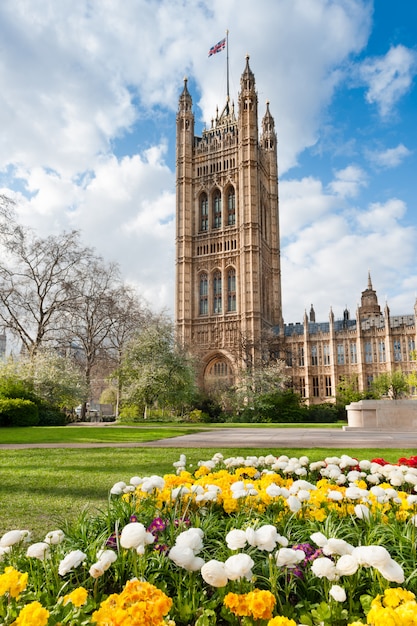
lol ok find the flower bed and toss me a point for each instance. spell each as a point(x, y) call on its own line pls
point(269, 540)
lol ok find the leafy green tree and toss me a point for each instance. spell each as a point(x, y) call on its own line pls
point(347, 391)
point(47, 375)
point(155, 371)
point(392, 384)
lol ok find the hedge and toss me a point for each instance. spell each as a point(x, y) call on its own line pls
point(18, 412)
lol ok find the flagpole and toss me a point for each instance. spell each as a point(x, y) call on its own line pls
point(227, 62)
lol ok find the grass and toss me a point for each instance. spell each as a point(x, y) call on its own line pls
point(129, 433)
point(41, 487)
point(91, 434)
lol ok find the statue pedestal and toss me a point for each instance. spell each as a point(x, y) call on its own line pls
point(386, 415)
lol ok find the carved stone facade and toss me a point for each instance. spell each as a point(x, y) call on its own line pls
point(320, 354)
point(228, 283)
point(228, 276)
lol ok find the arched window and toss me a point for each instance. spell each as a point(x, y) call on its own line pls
point(231, 290)
point(217, 209)
point(219, 373)
point(217, 292)
point(203, 212)
point(203, 294)
point(231, 207)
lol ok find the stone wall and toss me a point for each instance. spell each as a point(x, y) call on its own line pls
point(387, 415)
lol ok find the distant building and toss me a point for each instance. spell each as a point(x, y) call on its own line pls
point(228, 275)
point(320, 354)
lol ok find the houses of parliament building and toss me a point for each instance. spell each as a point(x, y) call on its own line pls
point(228, 274)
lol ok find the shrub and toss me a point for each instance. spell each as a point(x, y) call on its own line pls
point(322, 413)
point(276, 407)
point(18, 412)
point(210, 408)
point(130, 412)
point(51, 416)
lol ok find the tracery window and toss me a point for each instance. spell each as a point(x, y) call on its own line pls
point(231, 290)
point(203, 212)
point(382, 355)
point(217, 293)
point(217, 209)
point(203, 293)
point(231, 207)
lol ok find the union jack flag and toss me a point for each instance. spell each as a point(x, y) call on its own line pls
point(220, 45)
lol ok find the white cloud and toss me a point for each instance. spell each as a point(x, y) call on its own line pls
point(301, 202)
point(326, 254)
point(389, 77)
point(348, 181)
point(382, 217)
point(391, 157)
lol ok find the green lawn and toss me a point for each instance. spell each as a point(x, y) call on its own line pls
point(41, 487)
point(117, 433)
point(91, 434)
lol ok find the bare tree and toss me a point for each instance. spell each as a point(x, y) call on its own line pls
point(130, 315)
point(36, 279)
point(91, 317)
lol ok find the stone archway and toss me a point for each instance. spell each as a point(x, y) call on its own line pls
point(219, 373)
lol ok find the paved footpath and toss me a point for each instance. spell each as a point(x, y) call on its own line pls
point(270, 438)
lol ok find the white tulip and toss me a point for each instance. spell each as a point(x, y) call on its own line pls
point(362, 512)
point(273, 490)
point(72, 560)
point(337, 546)
point(236, 539)
point(392, 571)
point(12, 537)
point(319, 539)
point(54, 537)
point(185, 557)
point(294, 504)
point(239, 566)
point(355, 493)
point(106, 557)
point(40, 550)
point(304, 495)
point(264, 538)
point(323, 567)
point(135, 534)
point(337, 593)
point(347, 565)
point(150, 483)
point(334, 495)
point(96, 570)
point(118, 488)
point(287, 557)
point(4, 551)
point(214, 573)
point(191, 538)
point(371, 556)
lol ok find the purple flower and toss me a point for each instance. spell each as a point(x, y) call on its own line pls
point(157, 525)
point(112, 541)
point(161, 547)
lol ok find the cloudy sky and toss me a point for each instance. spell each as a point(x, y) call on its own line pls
point(88, 97)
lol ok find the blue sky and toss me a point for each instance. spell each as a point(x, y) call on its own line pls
point(88, 99)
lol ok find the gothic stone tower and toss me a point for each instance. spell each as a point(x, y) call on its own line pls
point(228, 280)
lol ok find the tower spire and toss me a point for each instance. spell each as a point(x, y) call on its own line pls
point(369, 280)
